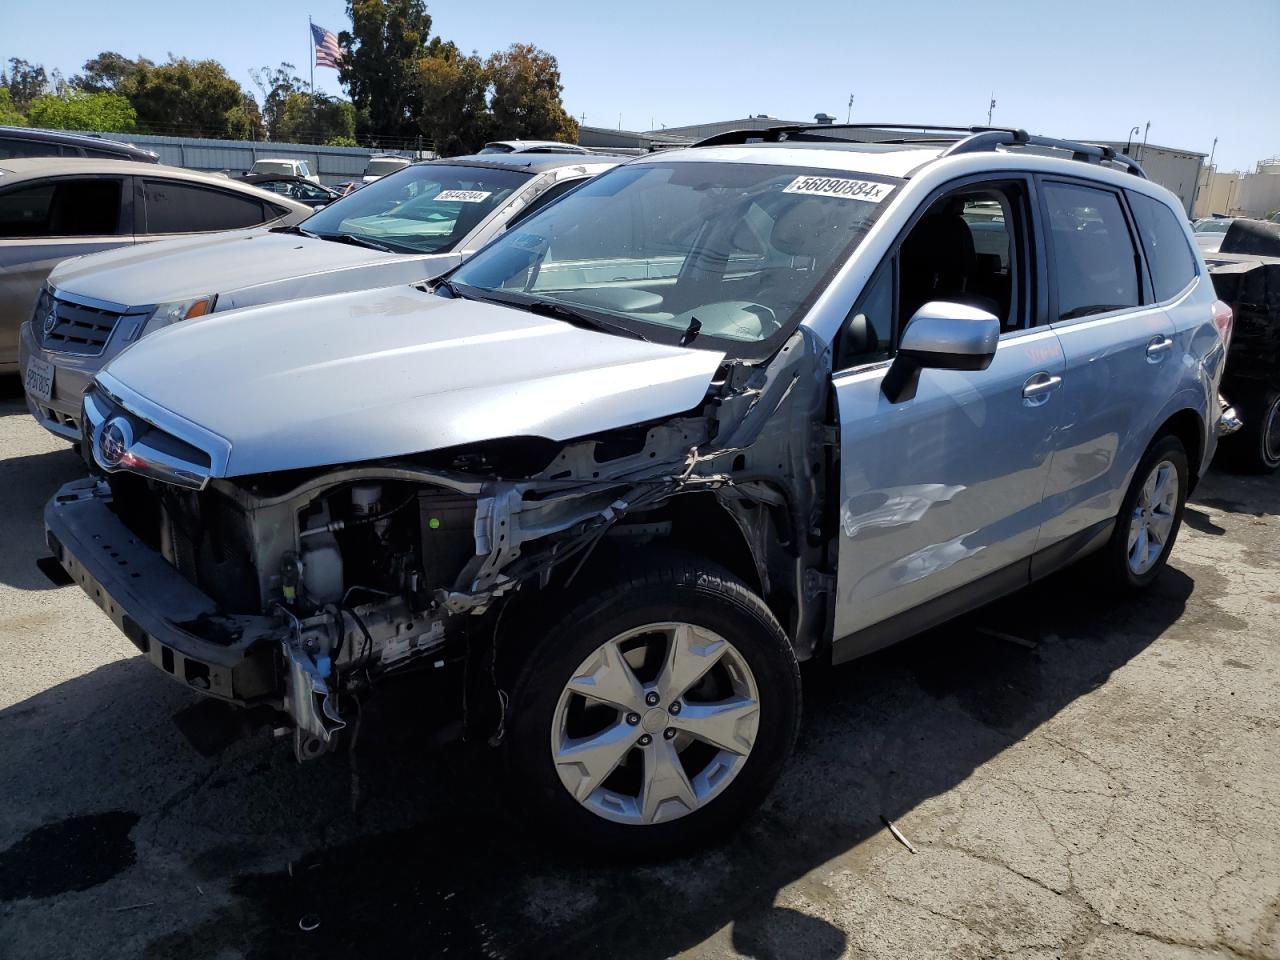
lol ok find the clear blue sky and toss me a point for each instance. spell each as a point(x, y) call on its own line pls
point(1085, 68)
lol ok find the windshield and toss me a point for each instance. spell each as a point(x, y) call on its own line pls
point(427, 208)
point(380, 168)
point(742, 248)
point(285, 167)
point(1213, 226)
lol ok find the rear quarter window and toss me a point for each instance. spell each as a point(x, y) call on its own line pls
point(1169, 255)
point(174, 207)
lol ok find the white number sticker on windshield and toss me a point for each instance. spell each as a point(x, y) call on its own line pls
point(464, 196)
point(838, 187)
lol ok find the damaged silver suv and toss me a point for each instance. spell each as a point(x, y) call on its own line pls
point(782, 396)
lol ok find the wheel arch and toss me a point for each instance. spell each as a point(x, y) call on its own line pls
point(1188, 426)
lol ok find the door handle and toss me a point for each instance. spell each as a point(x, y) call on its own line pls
point(1038, 387)
point(1158, 347)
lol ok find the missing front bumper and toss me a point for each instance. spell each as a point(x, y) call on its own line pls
point(178, 628)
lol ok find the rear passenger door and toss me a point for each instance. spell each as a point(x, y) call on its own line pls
point(46, 221)
point(1121, 359)
point(941, 495)
point(172, 208)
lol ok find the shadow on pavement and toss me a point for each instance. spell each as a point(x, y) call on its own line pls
point(1247, 494)
point(439, 860)
point(11, 389)
point(26, 484)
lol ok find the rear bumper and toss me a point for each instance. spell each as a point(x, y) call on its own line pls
point(178, 628)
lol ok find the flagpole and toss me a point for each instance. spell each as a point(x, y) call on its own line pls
point(312, 37)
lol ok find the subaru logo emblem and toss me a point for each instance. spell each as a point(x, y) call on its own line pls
point(114, 442)
point(50, 321)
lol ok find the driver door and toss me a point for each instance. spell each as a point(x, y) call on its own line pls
point(940, 498)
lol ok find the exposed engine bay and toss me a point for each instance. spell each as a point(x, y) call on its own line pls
point(371, 569)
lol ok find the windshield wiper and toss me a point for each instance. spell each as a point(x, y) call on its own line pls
point(296, 230)
point(356, 240)
point(551, 308)
point(454, 290)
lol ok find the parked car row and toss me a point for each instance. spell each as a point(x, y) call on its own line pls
point(55, 209)
point(405, 228)
point(610, 448)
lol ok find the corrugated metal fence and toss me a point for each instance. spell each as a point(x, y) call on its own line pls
point(333, 164)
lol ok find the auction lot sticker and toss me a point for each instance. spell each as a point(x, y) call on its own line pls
point(463, 196)
point(867, 190)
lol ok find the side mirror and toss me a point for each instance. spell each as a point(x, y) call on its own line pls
point(941, 336)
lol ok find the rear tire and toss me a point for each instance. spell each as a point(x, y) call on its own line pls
point(1149, 519)
point(1256, 446)
point(650, 783)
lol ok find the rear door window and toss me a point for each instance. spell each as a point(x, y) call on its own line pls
point(1169, 256)
point(68, 208)
point(11, 147)
point(174, 207)
point(1094, 262)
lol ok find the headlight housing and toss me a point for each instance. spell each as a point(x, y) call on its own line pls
point(43, 302)
point(169, 313)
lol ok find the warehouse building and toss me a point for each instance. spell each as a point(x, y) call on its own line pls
point(1177, 169)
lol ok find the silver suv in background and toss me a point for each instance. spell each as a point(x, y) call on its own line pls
point(410, 226)
point(718, 411)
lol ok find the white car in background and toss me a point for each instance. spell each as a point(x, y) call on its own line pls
point(411, 226)
point(1210, 232)
point(380, 167)
point(285, 168)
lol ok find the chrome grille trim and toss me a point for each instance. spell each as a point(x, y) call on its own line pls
point(108, 398)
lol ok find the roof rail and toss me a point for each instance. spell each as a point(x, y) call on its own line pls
point(816, 131)
point(1083, 152)
point(959, 139)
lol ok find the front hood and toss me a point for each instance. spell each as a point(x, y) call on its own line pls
point(395, 371)
point(220, 263)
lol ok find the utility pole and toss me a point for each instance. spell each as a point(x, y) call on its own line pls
point(1128, 143)
point(312, 41)
point(849, 116)
point(1208, 178)
point(991, 107)
point(1144, 141)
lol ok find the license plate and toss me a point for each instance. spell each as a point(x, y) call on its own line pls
point(39, 379)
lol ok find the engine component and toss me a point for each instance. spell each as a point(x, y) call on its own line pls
point(321, 560)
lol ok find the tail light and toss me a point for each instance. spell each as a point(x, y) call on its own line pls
point(1222, 318)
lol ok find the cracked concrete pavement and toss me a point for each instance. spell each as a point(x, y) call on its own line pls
point(1109, 786)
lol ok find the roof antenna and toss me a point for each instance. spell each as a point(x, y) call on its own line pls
point(690, 331)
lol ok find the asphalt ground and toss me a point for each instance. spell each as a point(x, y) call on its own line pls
point(1080, 777)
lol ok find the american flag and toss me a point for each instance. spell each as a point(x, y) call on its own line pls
point(328, 53)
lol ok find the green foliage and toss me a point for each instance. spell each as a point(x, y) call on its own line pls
point(100, 112)
point(341, 142)
point(26, 81)
point(526, 95)
point(276, 86)
point(194, 98)
point(294, 113)
point(381, 53)
point(308, 118)
point(109, 72)
point(9, 114)
point(451, 87)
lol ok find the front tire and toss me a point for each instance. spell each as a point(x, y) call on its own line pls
point(656, 714)
point(1149, 520)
